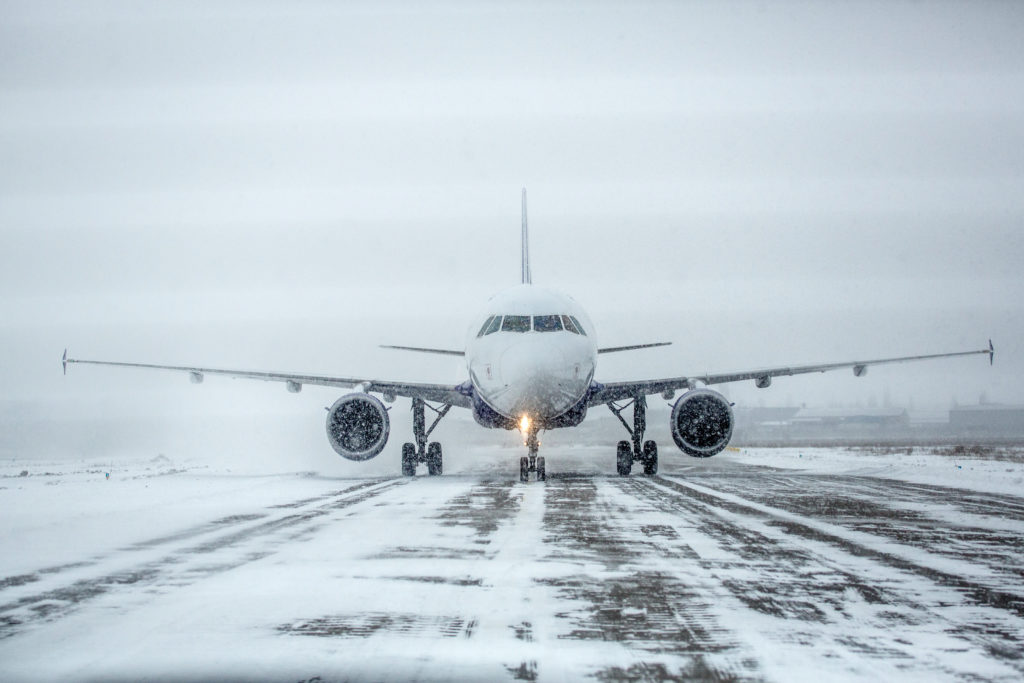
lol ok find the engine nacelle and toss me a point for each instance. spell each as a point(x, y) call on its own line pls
point(702, 423)
point(358, 426)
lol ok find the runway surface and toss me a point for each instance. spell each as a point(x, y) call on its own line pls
point(722, 570)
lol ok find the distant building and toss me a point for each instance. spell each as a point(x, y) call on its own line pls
point(988, 419)
point(794, 425)
point(860, 417)
point(755, 416)
point(987, 422)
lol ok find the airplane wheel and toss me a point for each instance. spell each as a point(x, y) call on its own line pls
point(624, 458)
point(408, 460)
point(433, 458)
point(650, 458)
point(524, 469)
point(541, 474)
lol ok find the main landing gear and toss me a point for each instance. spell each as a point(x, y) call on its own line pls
point(532, 463)
point(415, 453)
point(644, 452)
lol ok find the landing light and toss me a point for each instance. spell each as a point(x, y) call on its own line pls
point(524, 423)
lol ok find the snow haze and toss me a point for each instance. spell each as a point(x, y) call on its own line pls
point(286, 186)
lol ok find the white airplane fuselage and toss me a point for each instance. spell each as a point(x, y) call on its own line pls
point(537, 359)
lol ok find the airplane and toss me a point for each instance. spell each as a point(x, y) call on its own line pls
point(531, 359)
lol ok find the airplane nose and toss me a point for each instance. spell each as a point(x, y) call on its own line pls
point(529, 361)
point(540, 380)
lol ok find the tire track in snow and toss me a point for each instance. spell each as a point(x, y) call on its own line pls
point(900, 550)
point(643, 598)
point(958, 524)
point(188, 533)
point(786, 567)
point(184, 565)
point(768, 482)
point(467, 552)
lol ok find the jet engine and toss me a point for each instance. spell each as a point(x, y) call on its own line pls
point(357, 426)
point(702, 423)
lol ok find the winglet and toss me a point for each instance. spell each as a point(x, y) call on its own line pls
point(527, 278)
point(64, 361)
point(991, 353)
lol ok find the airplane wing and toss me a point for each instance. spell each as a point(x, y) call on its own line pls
point(633, 347)
point(618, 391)
point(440, 393)
point(420, 349)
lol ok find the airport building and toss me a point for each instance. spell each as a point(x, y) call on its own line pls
point(793, 425)
point(989, 419)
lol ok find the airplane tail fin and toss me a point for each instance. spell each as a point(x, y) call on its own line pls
point(527, 278)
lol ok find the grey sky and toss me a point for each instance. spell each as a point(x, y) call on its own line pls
point(286, 185)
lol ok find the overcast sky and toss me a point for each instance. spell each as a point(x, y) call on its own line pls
point(287, 185)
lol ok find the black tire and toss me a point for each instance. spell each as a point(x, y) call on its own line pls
point(408, 460)
point(541, 474)
point(624, 458)
point(650, 458)
point(524, 469)
point(434, 459)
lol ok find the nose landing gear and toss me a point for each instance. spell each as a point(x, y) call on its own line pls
point(532, 463)
point(415, 453)
point(644, 452)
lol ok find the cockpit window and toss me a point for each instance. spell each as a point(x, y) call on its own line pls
point(568, 325)
point(578, 326)
point(547, 323)
point(516, 323)
point(494, 326)
point(483, 328)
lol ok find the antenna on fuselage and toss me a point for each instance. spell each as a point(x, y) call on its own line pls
point(527, 279)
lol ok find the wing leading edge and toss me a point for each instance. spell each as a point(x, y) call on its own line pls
point(422, 349)
point(440, 393)
point(617, 391)
point(633, 347)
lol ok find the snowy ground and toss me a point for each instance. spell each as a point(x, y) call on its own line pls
point(761, 564)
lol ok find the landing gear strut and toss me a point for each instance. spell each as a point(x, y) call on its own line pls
point(644, 452)
point(415, 453)
point(532, 463)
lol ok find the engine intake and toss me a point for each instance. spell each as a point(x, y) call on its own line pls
point(358, 426)
point(702, 423)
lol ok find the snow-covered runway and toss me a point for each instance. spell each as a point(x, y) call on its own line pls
point(752, 567)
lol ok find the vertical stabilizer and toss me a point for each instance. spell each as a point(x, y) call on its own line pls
point(527, 279)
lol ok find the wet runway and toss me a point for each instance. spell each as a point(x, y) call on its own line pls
point(723, 573)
